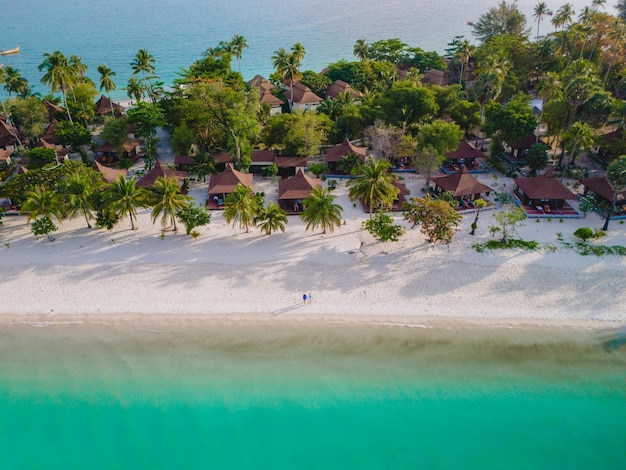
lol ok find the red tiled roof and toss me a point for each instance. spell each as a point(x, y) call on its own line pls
point(223, 157)
point(461, 183)
point(302, 94)
point(227, 181)
point(600, 185)
point(527, 141)
point(335, 153)
point(544, 187)
point(464, 150)
point(269, 98)
point(160, 171)
point(183, 160)
point(436, 77)
point(290, 162)
point(298, 186)
point(338, 87)
point(260, 82)
point(263, 156)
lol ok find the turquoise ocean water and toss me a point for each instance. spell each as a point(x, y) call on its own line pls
point(177, 32)
point(295, 395)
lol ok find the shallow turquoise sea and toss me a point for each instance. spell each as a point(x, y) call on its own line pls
point(303, 395)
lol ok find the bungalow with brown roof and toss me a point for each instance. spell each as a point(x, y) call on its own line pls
point(8, 135)
point(5, 156)
point(604, 196)
point(345, 148)
point(54, 111)
point(302, 97)
point(516, 152)
point(466, 155)
point(221, 160)
point(292, 191)
point(465, 187)
point(610, 145)
point(50, 133)
point(109, 174)
point(436, 77)
point(274, 102)
point(224, 183)
point(289, 166)
point(60, 152)
point(338, 87)
point(260, 82)
point(104, 106)
point(261, 159)
point(544, 196)
point(161, 171)
point(183, 162)
point(110, 152)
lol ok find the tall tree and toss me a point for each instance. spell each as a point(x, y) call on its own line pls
point(540, 11)
point(122, 197)
point(77, 196)
point(14, 82)
point(373, 184)
point(59, 75)
point(106, 81)
point(242, 206)
point(135, 90)
point(29, 116)
point(144, 64)
point(42, 202)
point(239, 43)
point(579, 138)
point(616, 175)
point(167, 201)
point(437, 218)
point(321, 211)
point(271, 219)
point(361, 50)
point(563, 16)
point(506, 18)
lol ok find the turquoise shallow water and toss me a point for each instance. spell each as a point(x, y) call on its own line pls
point(289, 395)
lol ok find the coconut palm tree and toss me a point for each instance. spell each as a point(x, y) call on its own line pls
point(59, 75)
point(143, 63)
point(271, 219)
point(373, 184)
point(14, 82)
point(321, 211)
point(361, 50)
point(167, 200)
point(77, 65)
point(40, 202)
point(541, 10)
point(134, 89)
point(464, 53)
point(77, 196)
point(616, 176)
point(580, 137)
point(239, 43)
point(122, 197)
point(106, 81)
point(241, 206)
point(563, 16)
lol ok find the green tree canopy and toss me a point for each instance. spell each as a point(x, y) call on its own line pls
point(506, 18)
point(29, 115)
point(321, 211)
point(436, 218)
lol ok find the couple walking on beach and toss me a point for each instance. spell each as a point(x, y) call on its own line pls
point(309, 298)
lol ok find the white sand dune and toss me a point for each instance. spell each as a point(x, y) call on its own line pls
point(228, 272)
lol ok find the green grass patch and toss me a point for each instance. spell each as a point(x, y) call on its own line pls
point(585, 249)
point(512, 243)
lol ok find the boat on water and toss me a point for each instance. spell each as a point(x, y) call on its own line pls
point(10, 51)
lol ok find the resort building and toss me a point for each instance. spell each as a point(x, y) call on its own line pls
point(603, 195)
point(338, 87)
point(302, 97)
point(465, 155)
point(105, 106)
point(334, 154)
point(544, 195)
point(292, 191)
point(465, 187)
point(161, 171)
point(109, 174)
point(224, 183)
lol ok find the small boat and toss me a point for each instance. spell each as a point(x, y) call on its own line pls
point(10, 51)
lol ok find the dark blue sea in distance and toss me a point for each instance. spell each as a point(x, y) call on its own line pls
point(176, 32)
point(297, 394)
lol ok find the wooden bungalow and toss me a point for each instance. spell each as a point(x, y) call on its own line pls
point(465, 187)
point(161, 171)
point(544, 195)
point(436, 77)
point(292, 191)
point(224, 183)
point(8, 135)
point(334, 154)
point(54, 111)
point(50, 133)
point(261, 159)
point(611, 145)
point(600, 190)
point(109, 153)
point(338, 87)
point(465, 155)
point(303, 97)
point(183, 162)
point(289, 166)
point(516, 152)
point(104, 107)
point(109, 174)
point(398, 202)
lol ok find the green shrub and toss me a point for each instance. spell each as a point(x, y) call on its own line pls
point(584, 233)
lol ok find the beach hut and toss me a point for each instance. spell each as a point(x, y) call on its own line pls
point(261, 159)
point(224, 183)
point(600, 190)
point(436, 77)
point(610, 145)
point(161, 171)
point(60, 151)
point(109, 174)
point(289, 166)
point(8, 135)
point(183, 162)
point(109, 153)
point(104, 106)
point(517, 151)
point(545, 195)
point(54, 111)
point(345, 148)
point(292, 191)
point(50, 133)
point(338, 87)
point(221, 160)
point(465, 154)
point(465, 187)
point(274, 102)
point(5, 156)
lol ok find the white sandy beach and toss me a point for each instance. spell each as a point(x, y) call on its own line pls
point(349, 274)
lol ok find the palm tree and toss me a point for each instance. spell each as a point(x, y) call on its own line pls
point(321, 211)
point(271, 219)
point(106, 81)
point(242, 206)
point(123, 198)
point(464, 52)
point(134, 89)
point(541, 10)
point(59, 75)
point(580, 137)
point(373, 184)
point(204, 165)
point(563, 16)
point(143, 63)
point(42, 202)
point(14, 82)
point(361, 50)
point(479, 204)
point(78, 196)
point(76, 63)
point(167, 200)
point(616, 176)
point(239, 43)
